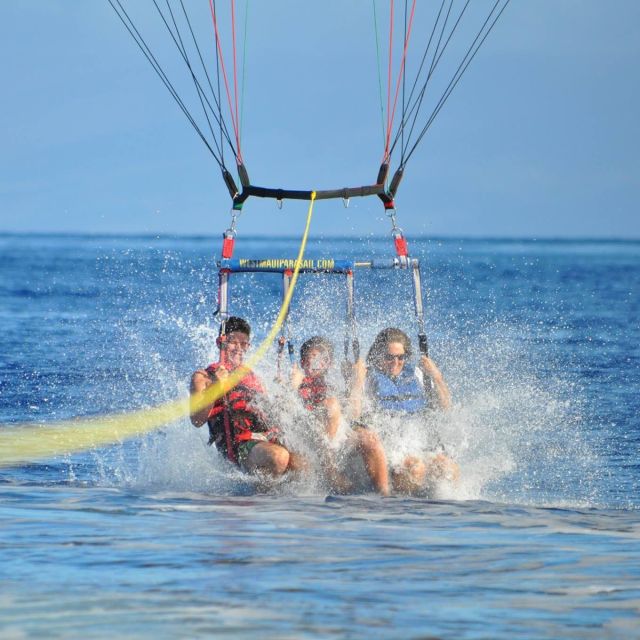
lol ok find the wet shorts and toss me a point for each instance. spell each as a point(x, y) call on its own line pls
point(246, 446)
point(244, 449)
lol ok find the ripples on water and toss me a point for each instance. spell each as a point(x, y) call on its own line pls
point(539, 342)
point(109, 560)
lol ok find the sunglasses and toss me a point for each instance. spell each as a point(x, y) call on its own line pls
point(390, 357)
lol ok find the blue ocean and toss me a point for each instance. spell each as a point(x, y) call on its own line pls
point(158, 537)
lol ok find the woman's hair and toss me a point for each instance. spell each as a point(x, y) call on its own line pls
point(378, 351)
point(316, 342)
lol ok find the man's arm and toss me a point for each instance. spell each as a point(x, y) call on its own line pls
point(200, 382)
point(438, 391)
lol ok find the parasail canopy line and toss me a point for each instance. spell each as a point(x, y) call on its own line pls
point(411, 111)
point(406, 97)
point(215, 145)
point(233, 104)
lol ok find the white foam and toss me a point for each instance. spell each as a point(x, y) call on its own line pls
point(513, 429)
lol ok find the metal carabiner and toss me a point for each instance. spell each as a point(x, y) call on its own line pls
point(391, 213)
point(235, 214)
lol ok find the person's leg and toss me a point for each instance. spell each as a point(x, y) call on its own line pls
point(267, 457)
point(375, 460)
point(442, 467)
point(337, 479)
point(297, 463)
point(411, 477)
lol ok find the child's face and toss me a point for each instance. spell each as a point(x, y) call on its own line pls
point(316, 362)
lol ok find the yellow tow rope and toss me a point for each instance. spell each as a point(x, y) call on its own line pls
point(24, 443)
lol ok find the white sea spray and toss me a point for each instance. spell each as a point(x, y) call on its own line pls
point(508, 428)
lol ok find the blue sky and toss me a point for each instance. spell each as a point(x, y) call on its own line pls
point(541, 139)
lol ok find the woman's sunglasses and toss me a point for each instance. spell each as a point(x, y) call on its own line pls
point(390, 357)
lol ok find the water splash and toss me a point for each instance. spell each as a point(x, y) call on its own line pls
point(515, 431)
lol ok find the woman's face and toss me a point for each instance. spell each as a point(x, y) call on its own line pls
point(394, 359)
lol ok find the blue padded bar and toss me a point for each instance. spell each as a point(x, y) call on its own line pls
point(279, 265)
point(309, 265)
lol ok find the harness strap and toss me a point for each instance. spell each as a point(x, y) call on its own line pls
point(417, 299)
point(231, 454)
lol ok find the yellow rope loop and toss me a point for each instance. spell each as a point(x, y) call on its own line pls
point(24, 443)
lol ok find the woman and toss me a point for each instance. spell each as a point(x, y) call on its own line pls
point(395, 390)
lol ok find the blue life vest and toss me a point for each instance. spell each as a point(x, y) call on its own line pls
point(404, 394)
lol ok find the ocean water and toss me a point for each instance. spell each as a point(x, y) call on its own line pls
point(157, 537)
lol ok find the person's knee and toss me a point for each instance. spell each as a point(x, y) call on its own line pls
point(269, 457)
point(278, 459)
point(368, 441)
point(298, 463)
point(443, 467)
point(415, 468)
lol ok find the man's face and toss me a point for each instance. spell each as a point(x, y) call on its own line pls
point(236, 344)
point(316, 362)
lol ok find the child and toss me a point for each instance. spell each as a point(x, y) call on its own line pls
point(319, 397)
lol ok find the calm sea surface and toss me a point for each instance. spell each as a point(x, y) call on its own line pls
point(157, 537)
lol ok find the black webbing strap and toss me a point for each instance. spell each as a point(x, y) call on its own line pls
point(291, 194)
point(377, 189)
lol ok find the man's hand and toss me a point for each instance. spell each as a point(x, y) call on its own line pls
point(221, 373)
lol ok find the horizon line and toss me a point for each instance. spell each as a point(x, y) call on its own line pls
point(199, 236)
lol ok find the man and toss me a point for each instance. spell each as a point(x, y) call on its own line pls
point(238, 428)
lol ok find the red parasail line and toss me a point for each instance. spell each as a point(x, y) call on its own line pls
point(224, 75)
point(400, 75)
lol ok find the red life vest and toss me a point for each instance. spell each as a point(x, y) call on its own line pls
point(233, 419)
point(313, 390)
